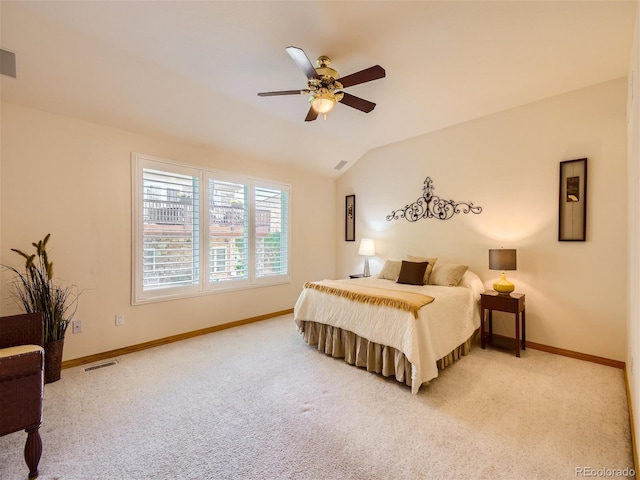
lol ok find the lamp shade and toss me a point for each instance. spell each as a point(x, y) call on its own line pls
point(502, 259)
point(367, 247)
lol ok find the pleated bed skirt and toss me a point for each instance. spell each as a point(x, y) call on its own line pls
point(374, 357)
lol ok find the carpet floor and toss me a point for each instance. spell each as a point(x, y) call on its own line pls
point(256, 402)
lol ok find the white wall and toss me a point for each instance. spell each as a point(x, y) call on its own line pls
point(633, 324)
point(73, 179)
point(508, 164)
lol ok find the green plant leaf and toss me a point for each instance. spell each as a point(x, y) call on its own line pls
point(36, 291)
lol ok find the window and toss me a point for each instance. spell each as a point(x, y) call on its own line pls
point(170, 239)
point(229, 229)
point(188, 220)
point(271, 231)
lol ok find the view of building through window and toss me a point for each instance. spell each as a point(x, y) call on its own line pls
point(171, 229)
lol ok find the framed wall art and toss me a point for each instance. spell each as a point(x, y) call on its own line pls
point(350, 218)
point(572, 217)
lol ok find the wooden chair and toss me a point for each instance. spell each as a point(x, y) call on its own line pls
point(22, 381)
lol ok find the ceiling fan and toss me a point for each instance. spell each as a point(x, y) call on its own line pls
point(324, 85)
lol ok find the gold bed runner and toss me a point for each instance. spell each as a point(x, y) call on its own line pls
point(407, 301)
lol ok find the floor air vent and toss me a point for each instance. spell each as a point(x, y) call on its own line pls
point(100, 365)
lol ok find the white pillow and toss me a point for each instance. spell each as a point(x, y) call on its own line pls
point(447, 274)
point(391, 270)
point(472, 280)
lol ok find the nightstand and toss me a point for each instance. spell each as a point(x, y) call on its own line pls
point(358, 275)
point(510, 303)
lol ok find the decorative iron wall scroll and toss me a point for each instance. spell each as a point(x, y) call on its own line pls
point(432, 206)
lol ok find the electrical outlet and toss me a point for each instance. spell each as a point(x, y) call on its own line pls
point(119, 319)
point(77, 326)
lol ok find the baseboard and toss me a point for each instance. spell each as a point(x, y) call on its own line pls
point(196, 333)
point(631, 422)
point(580, 356)
point(566, 353)
point(163, 341)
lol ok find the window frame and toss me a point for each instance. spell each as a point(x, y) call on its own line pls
point(204, 286)
point(264, 184)
point(229, 284)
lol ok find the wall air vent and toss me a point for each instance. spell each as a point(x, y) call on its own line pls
point(100, 365)
point(340, 165)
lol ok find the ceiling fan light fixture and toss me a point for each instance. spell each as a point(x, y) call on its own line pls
point(323, 102)
point(325, 85)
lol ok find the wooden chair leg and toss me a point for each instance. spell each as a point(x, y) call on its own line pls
point(33, 451)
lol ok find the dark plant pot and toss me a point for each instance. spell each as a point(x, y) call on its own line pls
point(53, 360)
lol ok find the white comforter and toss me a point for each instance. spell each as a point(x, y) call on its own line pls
point(441, 326)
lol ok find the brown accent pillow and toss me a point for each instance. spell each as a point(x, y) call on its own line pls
point(432, 262)
point(412, 273)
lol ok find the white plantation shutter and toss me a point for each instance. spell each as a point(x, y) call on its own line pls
point(198, 231)
point(272, 230)
point(170, 229)
point(228, 231)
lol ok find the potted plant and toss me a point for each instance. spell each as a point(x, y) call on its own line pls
point(36, 291)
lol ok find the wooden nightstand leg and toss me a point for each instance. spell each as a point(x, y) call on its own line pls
point(524, 333)
point(491, 326)
point(517, 335)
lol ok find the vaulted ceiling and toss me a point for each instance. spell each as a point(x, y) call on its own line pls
point(192, 69)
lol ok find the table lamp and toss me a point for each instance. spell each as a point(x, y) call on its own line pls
point(502, 259)
point(368, 249)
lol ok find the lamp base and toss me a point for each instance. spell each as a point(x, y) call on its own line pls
point(366, 272)
point(503, 285)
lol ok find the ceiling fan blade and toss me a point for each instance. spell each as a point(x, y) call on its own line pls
point(311, 115)
point(356, 102)
point(283, 92)
point(366, 75)
point(303, 62)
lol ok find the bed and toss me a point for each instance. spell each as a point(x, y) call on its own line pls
point(398, 338)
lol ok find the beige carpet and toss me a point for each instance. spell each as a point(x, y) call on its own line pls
point(256, 402)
